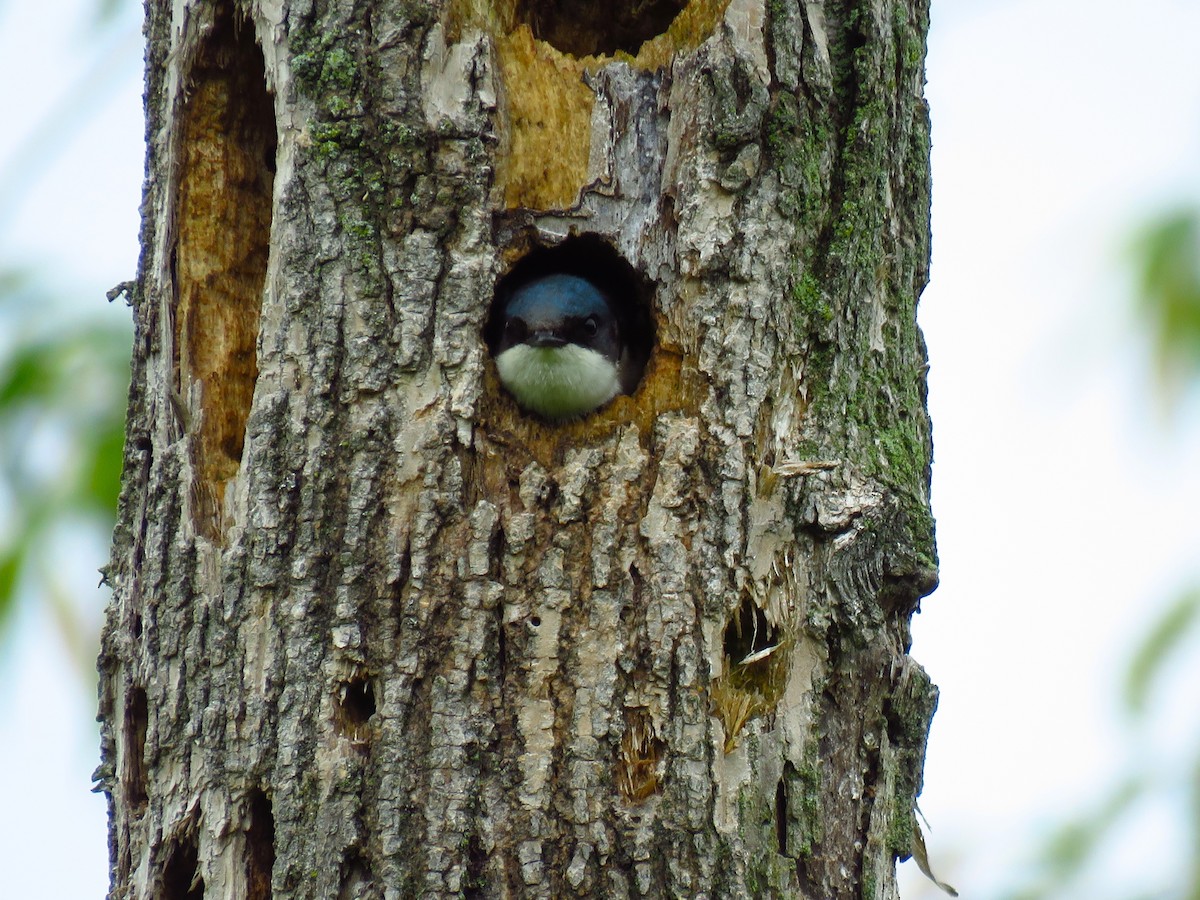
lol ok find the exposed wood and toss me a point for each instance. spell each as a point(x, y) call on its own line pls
point(222, 225)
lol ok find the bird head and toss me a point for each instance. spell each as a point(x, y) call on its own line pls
point(560, 351)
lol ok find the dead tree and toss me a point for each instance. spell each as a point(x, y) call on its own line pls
point(378, 633)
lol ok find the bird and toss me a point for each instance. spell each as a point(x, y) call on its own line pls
point(561, 352)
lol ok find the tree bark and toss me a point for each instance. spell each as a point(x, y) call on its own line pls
point(376, 632)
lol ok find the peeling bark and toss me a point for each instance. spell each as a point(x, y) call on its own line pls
point(377, 633)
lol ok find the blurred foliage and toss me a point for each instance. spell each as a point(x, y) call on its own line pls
point(1073, 844)
point(63, 380)
point(1166, 637)
point(1167, 263)
point(1167, 259)
point(107, 10)
point(64, 374)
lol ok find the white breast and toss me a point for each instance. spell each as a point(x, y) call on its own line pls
point(558, 382)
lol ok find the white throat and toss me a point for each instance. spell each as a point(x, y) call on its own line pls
point(558, 382)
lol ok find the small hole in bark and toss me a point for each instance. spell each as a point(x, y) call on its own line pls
point(755, 675)
point(640, 763)
point(356, 877)
point(636, 589)
point(355, 706)
point(134, 776)
point(180, 879)
point(136, 628)
point(856, 39)
point(260, 847)
point(501, 645)
point(748, 633)
point(476, 885)
point(585, 27)
point(592, 259)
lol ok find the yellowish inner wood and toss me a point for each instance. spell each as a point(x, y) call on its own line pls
point(546, 108)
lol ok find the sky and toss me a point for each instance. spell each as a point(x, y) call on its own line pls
point(1064, 494)
point(1065, 497)
point(69, 201)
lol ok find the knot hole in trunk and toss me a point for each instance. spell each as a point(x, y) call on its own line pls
point(586, 28)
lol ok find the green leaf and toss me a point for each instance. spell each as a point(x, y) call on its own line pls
point(1167, 255)
point(1156, 647)
point(27, 376)
point(102, 483)
point(1075, 843)
point(61, 379)
point(10, 567)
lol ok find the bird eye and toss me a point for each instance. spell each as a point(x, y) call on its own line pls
point(515, 329)
point(591, 327)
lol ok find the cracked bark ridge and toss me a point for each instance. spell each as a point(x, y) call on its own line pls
point(409, 642)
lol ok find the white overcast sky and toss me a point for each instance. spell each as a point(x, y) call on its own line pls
point(1066, 508)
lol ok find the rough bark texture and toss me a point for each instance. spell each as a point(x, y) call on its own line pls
point(375, 632)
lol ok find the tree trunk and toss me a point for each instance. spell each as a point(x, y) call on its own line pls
point(375, 631)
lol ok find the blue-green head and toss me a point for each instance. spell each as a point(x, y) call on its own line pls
point(560, 351)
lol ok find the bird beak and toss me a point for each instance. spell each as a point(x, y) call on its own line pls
point(545, 339)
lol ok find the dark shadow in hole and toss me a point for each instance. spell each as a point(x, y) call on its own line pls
point(585, 27)
point(748, 632)
point(355, 705)
point(137, 715)
point(475, 886)
point(260, 847)
point(781, 816)
point(180, 880)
